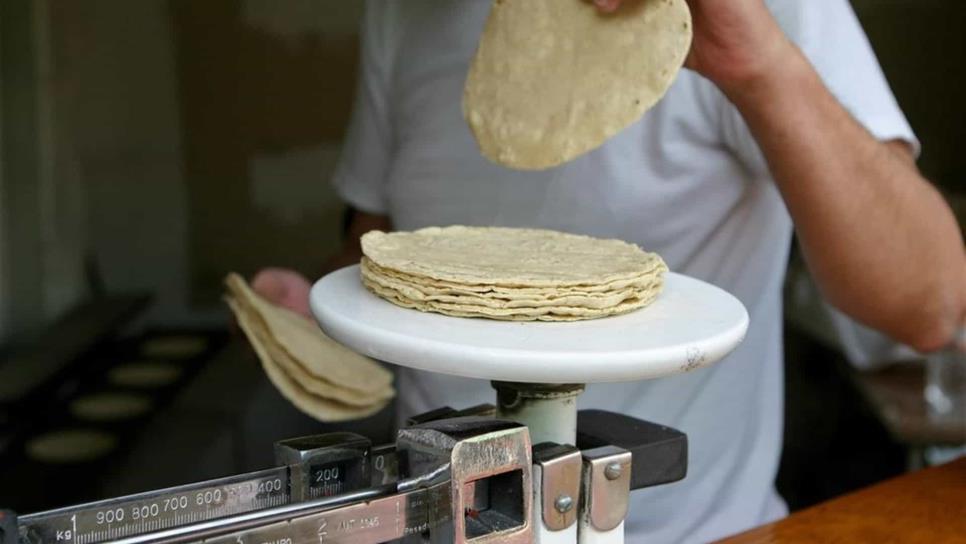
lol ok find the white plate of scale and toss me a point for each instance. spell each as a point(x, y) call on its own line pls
point(690, 325)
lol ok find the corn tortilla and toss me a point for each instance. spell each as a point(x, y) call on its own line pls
point(314, 406)
point(554, 79)
point(305, 342)
point(508, 257)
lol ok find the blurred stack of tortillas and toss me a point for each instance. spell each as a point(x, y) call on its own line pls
point(553, 79)
point(317, 374)
point(510, 274)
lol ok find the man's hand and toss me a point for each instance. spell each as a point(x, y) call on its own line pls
point(285, 288)
point(735, 41)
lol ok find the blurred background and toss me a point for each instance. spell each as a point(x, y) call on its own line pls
point(147, 148)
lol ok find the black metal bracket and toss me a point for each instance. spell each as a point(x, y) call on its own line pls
point(659, 454)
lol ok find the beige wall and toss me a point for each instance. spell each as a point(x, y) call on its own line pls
point(265, 91)
point(4, 291)
point(43, 234)
point(173, 202)
point(116, 61)
point(922, 48)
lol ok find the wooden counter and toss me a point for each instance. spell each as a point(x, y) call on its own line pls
point(927, 506)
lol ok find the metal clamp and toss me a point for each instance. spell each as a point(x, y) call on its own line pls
point(607, 487)
point(660, 454)
point(489, 464)
point(559, 468)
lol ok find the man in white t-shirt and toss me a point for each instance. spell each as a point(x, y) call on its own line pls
point(783, 119)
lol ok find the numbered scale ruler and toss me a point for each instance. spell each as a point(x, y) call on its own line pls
point(311, 468)
point(378, 515)
point(157, 510)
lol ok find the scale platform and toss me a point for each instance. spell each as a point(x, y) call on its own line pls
point(691, 324)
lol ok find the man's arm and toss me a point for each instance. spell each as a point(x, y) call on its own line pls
point(882, 244)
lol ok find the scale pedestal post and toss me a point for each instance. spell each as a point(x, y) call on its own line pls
point(548, 410)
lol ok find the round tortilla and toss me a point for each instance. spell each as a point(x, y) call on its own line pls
point(319, 408)
point(510, 274)
point(501, 291)
point(320, 387)
point(103, 407)
point(545, 313)
point(70, 446)
point(178, 346)
point(418, 292)
point(305, 343)
point(509, 257)
point(553, 79)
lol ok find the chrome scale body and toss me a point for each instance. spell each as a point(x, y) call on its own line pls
point(451, 477)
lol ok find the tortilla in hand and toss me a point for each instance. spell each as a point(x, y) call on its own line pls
point(318, 375)
point(553, 79)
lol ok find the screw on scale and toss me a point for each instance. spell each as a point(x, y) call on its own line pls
point(563, 503)
point(556, 488)
point(612, 471)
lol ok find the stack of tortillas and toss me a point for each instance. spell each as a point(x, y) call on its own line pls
point(315, 373)
point(553, 79)
point(510, 274)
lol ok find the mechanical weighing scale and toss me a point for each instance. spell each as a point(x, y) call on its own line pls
point(529, 469)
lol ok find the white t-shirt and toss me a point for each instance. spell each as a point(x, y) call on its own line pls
point(687, 181)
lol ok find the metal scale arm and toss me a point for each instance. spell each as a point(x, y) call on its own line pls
point(449, 478)
point(456, 477)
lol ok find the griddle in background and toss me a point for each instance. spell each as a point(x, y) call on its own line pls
point(44, 407)
point(42, 375)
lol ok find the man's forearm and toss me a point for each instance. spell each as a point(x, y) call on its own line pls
point(881, 242)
